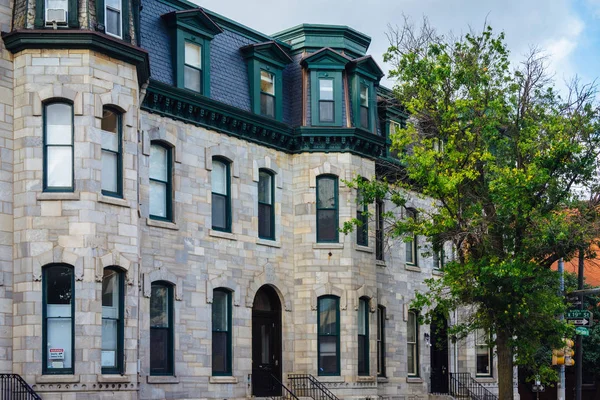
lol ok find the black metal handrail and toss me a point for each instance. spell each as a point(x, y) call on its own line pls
point(306, 385)
point(13, 387)
point(286, 394)
point(462, 384)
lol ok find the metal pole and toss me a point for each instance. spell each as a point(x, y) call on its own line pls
point(579, 347)
point(561, 370)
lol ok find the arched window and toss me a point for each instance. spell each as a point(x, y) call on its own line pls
point(161, 329)
point(266, 209)
point(58, 147)
point(221, 332)
point(221, 195)
point(363, 336)
point(113, 299)
point(412, 340)
point(160, 182)
point(380, 340)
point(327, 208)
point(328, 320)
point(112, 158)
point(58, 327)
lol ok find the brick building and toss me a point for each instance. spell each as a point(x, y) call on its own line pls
point(171, 186)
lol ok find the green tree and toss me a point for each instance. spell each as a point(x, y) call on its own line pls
point(498, 152)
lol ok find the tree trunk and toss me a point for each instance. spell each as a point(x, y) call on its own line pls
point(505, 366)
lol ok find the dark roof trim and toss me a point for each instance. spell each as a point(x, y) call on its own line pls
point(316, 59)
point(269, 51)
point(367, 65)
point(194, 20)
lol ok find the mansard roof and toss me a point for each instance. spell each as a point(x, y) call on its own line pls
point(194, 20)
point(270, 52)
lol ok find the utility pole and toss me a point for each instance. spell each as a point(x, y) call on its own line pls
point(561, 371)
point(579, 347)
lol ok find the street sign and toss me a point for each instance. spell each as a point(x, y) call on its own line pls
point(579, 314)
point(579, 322)
point(582, 331)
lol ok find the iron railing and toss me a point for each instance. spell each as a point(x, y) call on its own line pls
point(13, 387)
point(306, 385)
point(286, 394)
point(463, 385)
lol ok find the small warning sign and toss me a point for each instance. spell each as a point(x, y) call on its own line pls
point(57, 354)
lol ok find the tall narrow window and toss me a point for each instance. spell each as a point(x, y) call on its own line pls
point(58, 322)
point(364, 106)
point(380, 341)
point(160, 182)
point(438, 254)
point(267, 94)
point(484, 353)
point(221, 195)
point(411, 245)
point(193, 67)
point(379, 210)
point(221, 332)
point(113, 17)
point(112, 321)
point(412, 340)
point(58, 147)
point(394, 127)
point(363, 336)
point(327, 208)
point(111, 153)
point(161, 329)
point(328, 335)
point(326, 100)
point(362, 215)
point(266, 211)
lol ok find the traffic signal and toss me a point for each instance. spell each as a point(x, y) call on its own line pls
point(564, 356)
point(558, 356)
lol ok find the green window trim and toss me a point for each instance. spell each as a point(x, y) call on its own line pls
point(119, 154)
point(362, 215)
point(170, 364)
point(379, 232)
point(411, 246)
point(315, 77)
point(321, 335)
point(270, 206)
point(334, 208)
point(228, 371)
point(168, 183)
point(101, 22)
point(364, 304)
point(183, 38)
point(413, 347)
point(46, 171)
point(119, 368)
point(45, 349)
point(254, 69)
point(40, 15)
point(226, 196)
point(358, 84)
point(380, 341)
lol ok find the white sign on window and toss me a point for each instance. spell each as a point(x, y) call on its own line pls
point(108, 358)
point(57, 354)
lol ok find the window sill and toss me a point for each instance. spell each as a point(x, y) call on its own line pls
point(364, 249)
point(162, 224)
point(222, 235)
point(58, 196)
point(331, 379)
point(414, 379)
point(267, 242)
point(116, 378)
point(410, 267)
point(223, 379)
point(380, 263)
point(382, 379)
point(115, 201)
point(327, 246)
point(365, 379)
point(158, 379)
point(57, 379)
point(485, 379)
point(437, 272)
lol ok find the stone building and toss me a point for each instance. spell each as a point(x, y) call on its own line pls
point(171, 186)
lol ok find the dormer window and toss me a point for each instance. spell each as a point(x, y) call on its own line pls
point(112, 16)
point(267, 94)
point(193, 67)
point(326, 100)
point(364, 106)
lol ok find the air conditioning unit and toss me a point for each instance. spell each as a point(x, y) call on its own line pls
point(56, 15)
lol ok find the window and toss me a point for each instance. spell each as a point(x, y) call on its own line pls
point(411, 245)
point(56, 12)
point(113, 297)
point(58, 323)
point(412, 340)
point(394, 127)
point(58, 147)
point(59, 12)
point(328, 335)
point(379, 210)
point(362, 215)
point(266, 211)
point(439, 145)
point(221, 332)
point(364, 106)
point(161, 329)
point(221, 193)
point(380, 341)
point(484, 353)
point(111, 153)
point(439, 254)
point(160, 182)
point(267, 94)
point(326, 100)
point(327, 208)
point(112, 17)
point(193, 67)
point(363, 336)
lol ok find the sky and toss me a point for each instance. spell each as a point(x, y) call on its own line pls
point(569, 31)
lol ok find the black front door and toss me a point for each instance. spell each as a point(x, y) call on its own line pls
point(266, 343)
point(439, 354)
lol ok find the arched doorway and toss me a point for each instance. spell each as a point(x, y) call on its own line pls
point(439, 353)
point(266, 343)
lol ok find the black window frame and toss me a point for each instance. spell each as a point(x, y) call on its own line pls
point(119, 154)
point(273, 96)
point(120, 367)
point(229, 334)
point(168, 184)
point(380, 341)
point(320, 335)
point(335, 208)
point(271, 206)
point(362, 216)
point(47, 188)
point(170, 368)
point(364, 371)
point(416, 344)
point(411, 213)
point(379, 231)
point(227, 163)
